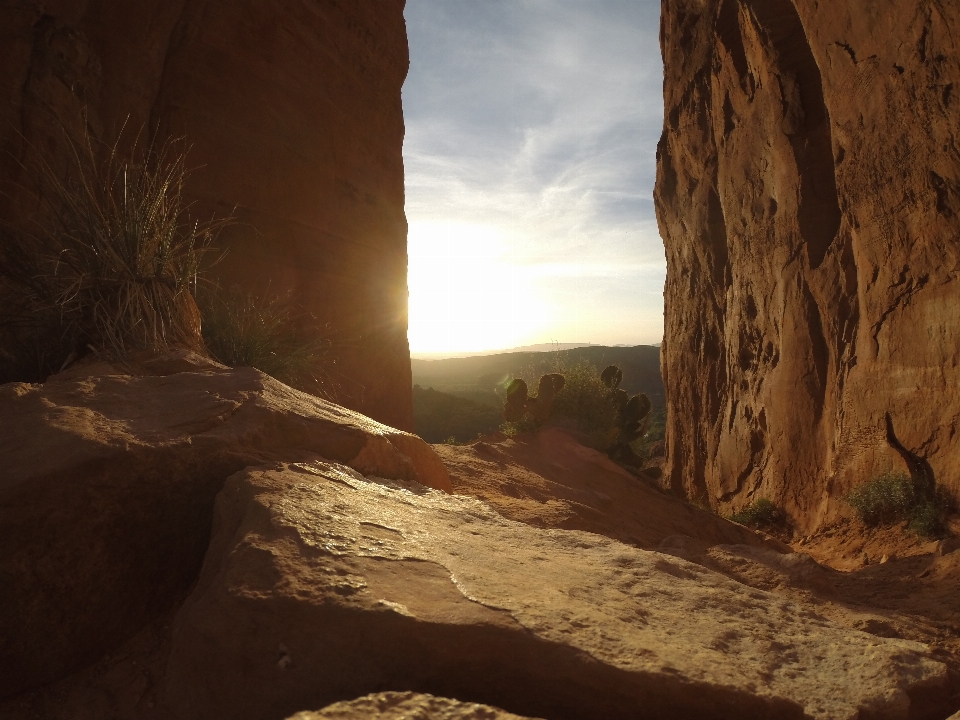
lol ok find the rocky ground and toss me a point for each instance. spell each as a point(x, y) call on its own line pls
point(883, 581)
point(204, 543)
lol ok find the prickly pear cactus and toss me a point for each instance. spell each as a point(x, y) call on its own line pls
point(634, 419)
point(550, 385)
point(612, 376)
point(633, 415)
point(540, 407)
point(516, 404)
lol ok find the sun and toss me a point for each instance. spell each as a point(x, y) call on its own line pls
point(466, 295)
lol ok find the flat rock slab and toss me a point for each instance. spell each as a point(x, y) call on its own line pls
point(407, 706)
point(107, 484)
point(322, 585)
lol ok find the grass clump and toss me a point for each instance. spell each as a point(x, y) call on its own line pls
point(762, 514)
point(895, 497)
point(245, 330)
point(112, 263)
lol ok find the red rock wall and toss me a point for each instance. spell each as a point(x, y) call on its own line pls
point(293, 113)
point(808, 194)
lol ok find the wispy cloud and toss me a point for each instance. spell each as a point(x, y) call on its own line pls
point(540, 118)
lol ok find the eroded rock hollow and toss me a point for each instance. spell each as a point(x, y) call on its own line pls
point(293, 118)
point(808, 194)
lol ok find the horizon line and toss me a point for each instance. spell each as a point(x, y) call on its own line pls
point(538, 347)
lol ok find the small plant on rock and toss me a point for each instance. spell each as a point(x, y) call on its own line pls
point(884, 500)
point(762, 514)
point(112, 263)
point(895, 497)
point(242, 329)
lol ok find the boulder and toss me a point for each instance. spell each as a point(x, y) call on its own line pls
point(406, 706)
point(322, 584)
point(808, 195)
point(107, 487)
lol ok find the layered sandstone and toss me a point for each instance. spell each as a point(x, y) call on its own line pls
point(107, 489)
point(808, 195)
point(292, 113)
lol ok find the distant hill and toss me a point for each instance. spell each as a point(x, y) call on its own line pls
point(541, 347)
point(439, 416)
point(476, 377)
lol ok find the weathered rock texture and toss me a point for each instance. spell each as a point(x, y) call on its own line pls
point(550, 480)
point(107, 487)
point(321, 584)
point(292, 111)
point(808, 195)
point(406, 706)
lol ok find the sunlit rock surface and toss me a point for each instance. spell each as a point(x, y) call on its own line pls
point(292, 113)
point(808, 195)
point(321, 584)
point(406, 706)
point(107, 485)
point(551, 480)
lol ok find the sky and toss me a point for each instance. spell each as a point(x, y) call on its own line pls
point(531, 133)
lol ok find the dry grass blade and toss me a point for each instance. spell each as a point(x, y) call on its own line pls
point(116, 255)
point(243, 329)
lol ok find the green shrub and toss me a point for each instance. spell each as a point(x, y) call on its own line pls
point(926, 520)
point(761, 513)
point(884, 500)
point(895, 497)
point(244, 330)
point(111, 263)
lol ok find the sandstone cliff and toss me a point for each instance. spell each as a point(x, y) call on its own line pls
point(808, 194)
point(294, 117)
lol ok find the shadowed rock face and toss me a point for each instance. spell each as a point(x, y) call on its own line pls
point(808, 195)
point(107, 487)
point(293, 115)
